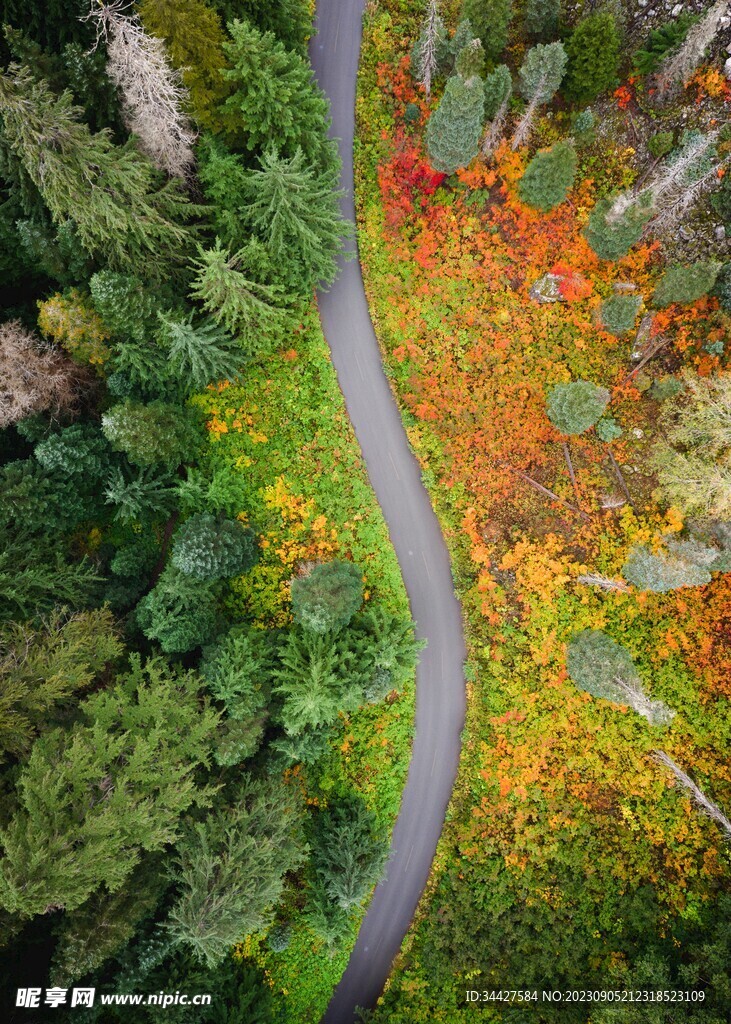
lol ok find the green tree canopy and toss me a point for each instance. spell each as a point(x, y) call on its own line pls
point(153, 434)
point(490, 21)
point(349, 851)
point(574, 408)
point(548, 177)
point(619, 313)
point(179, 612)
point(686, 284)
point(454, 129)
point(212, 548)
point(594, 53)
point(328, 597)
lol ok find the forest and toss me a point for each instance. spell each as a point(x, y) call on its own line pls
point(544, 212)
point(206, 653)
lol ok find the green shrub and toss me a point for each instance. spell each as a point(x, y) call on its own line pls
point(548, 177)
point(607, 429)
point(660, 144)
point(574, 408)
point(619, 313)
point(686, 284)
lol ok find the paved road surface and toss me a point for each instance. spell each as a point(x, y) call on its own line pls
point(422, 554)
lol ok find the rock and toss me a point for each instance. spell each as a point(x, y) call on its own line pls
point(638, 433)
point(720, 233)
point(676, 10)
point(685, 233)
point(724, 23)
point(727, 68)
point(548, 289)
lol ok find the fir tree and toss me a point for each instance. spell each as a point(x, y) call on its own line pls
point(498, 89)
point(144, 494)
point(539, 77)
point(548, 177)
point(309, 682)
point(111, 193)
point(663, 571)
point(79, 450)
point(199, 354)
point(490, 21)
point(686, 284)
point(454, 129)
point(212, 548)
point(230, 868)
point(93, 797)
point(349, 852)
point(179, 612)
point(328, 597)
point(594, 53)
point(149, 435)
point(574, 408)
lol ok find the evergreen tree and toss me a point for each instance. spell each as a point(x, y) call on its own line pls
point(149, 435)
point(140, 496)
point(328, 597)
point(37, 577)
point(680, 64)
point(111, 193)
point(490, 21)
point(256, 313)
point(377, 654)
point(309, 681)
point(349, 851)
point(80, 450)
point(199, 354)
point(615, 224)
point(453, 131)
point(273, 97)
point(92, 798)
point(548, 177)
point(194, 38)
point(294, 210)
point(594, 54)
point(236, 671)
point(619, 313)
point(470, 60)
point(498, 90)
point(574, 408)
point(127, 308)
point(686, 284)
point(539, 77)
point(662, 571)
point(289, 20)
point(43, 665)
point(179, 612)
point(541, 18)
point(213, 548)
point(230, 868)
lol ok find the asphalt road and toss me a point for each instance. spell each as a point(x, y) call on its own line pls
point(422, 554)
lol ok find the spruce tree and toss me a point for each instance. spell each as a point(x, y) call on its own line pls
point(454, 129)
point(141, 495)
point(229, 870)
point(179, 612)
point(490, 21)
point(121, 213)
point(349, 851)
point(328, 597)
point(199, 354)
point(594, 54)
point(309, 682)
point(294, 209)
point(93, 797)
point(548, 177)
point(663, 571)
point(574, 408)
point(213, 548)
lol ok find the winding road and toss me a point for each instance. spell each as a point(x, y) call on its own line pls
point(417, 538)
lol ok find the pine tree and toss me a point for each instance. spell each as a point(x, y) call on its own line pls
point(328, 597)
point(230, 868)
point(179, 612)
point(199, 354)
point(43, 665)
point(93, 797)
point(273, 97)
point(548, 177)
point(541, 18)
point(213, 548)
point(490, 21)
point(308, 679)
point(194, 39)
point(35, 377)
point(111, 193)
point(295, 211)
point(603, 668)
point(349, 851)
point(686, 284)
point(539, 77)
point(150, 435)
point(152, 93)
point(594, 53)
point(574, 408)
point(498, 89)
point(454, 129)
point(256, 313)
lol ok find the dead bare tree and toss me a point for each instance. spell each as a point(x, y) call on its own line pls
point(697, 795)
point(35, 376)
point(595, 579)
point(433, 25)
point(679, 66)
point(153, 95)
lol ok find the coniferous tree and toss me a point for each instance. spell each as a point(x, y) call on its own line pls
point(328, 597)
point(616, 224)
point(454, 129)
point(111, 193)
point(230, 868)
point(681, 62)
point(149, 435)
point(541, 18)
point(574, 408)
point(308, 679)
point(539, 77)
point(213, 548)
point(594, 52)
point(289, 20)
point(432, 39)
point(179, 612)
point(93, 797)
point(490, 21)
point(548, 177)
point(349, 851)
point(294, 210)
point(498, 89)
point(663, 571)
point(136, 497)
point(619, 313)
point(199, 354)
point(686, 284)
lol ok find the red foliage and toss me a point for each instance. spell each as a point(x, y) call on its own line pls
point(406, 181)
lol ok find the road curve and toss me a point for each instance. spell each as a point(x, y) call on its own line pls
point(417, 538)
